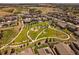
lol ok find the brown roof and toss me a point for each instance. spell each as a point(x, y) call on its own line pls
point(27, 51)
point(71, 27)
point(48, 51)
point(62, 24)
point(76, 33)
point(64, 49)
point(41, 51)
point(73, 47)
point(76, 44)
point(45, 51)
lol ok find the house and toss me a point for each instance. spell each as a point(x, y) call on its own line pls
point(1, 20)
point(1, 25)
point(41, 51)
point(4, 25)
point(41, 15)
point(10, 18)
point(62, 24)
point(71, 27)
point(35, 16)
point(14, 18)
point(44, 18)
point(76, 21)
point(76, 32)
point(72, 46)
point(27, 20)
point(48, 51)
point(76, 44)
point(55, 20)
point(39, 19)
point(8, 22)
point(27, 51)
point(34, 20)
point(63, 49)
point(26, 16)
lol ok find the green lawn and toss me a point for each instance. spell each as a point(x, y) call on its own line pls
point(40, 24)
point(53, 33)
point(22, 35)
point(33, 34)
point(47, 33)
point(8, 35)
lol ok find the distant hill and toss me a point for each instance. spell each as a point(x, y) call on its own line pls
point(40, 4)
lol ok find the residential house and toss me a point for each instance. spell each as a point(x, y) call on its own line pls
point(62, 24)
point(63, 49)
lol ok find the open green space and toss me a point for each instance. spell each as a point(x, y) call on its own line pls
point(36, 29)
point(53, 33)
point(22, 35)
point(8, 35)
point(33, 33)
point(48, 33)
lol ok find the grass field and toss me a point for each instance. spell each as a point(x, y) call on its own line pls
point(53, 33)
point(36, 31)
point(8, 35)
point(47, 33)
point(22, 35)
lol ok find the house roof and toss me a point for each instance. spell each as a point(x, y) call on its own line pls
point(27, 20)
point(48, 51)
point(27, 51)
point(76, 21)
point(64, 49)
point(71, 26)
point(62, 24)
point(41, 51)
point(77, 32)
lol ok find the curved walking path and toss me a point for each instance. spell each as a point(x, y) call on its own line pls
point(52, 37)
point(39, 34)
point(7, 28)
point(72, 36)
point(13, 38)
point(62, 32)
point(28, 35)
point(33, 41)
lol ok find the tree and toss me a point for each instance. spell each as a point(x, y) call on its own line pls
point(27, 43)
point(6, 51)
point(39, 43)
point(50, 40)
point(12, 50)
point(0, 53)
point(1, 34)
point(46, 41)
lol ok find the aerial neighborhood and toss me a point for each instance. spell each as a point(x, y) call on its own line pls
point(39, 29)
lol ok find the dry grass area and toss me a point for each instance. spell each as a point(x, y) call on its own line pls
point(3, 13)
point(6, 11)
point(46, 9)
point(9, 10)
